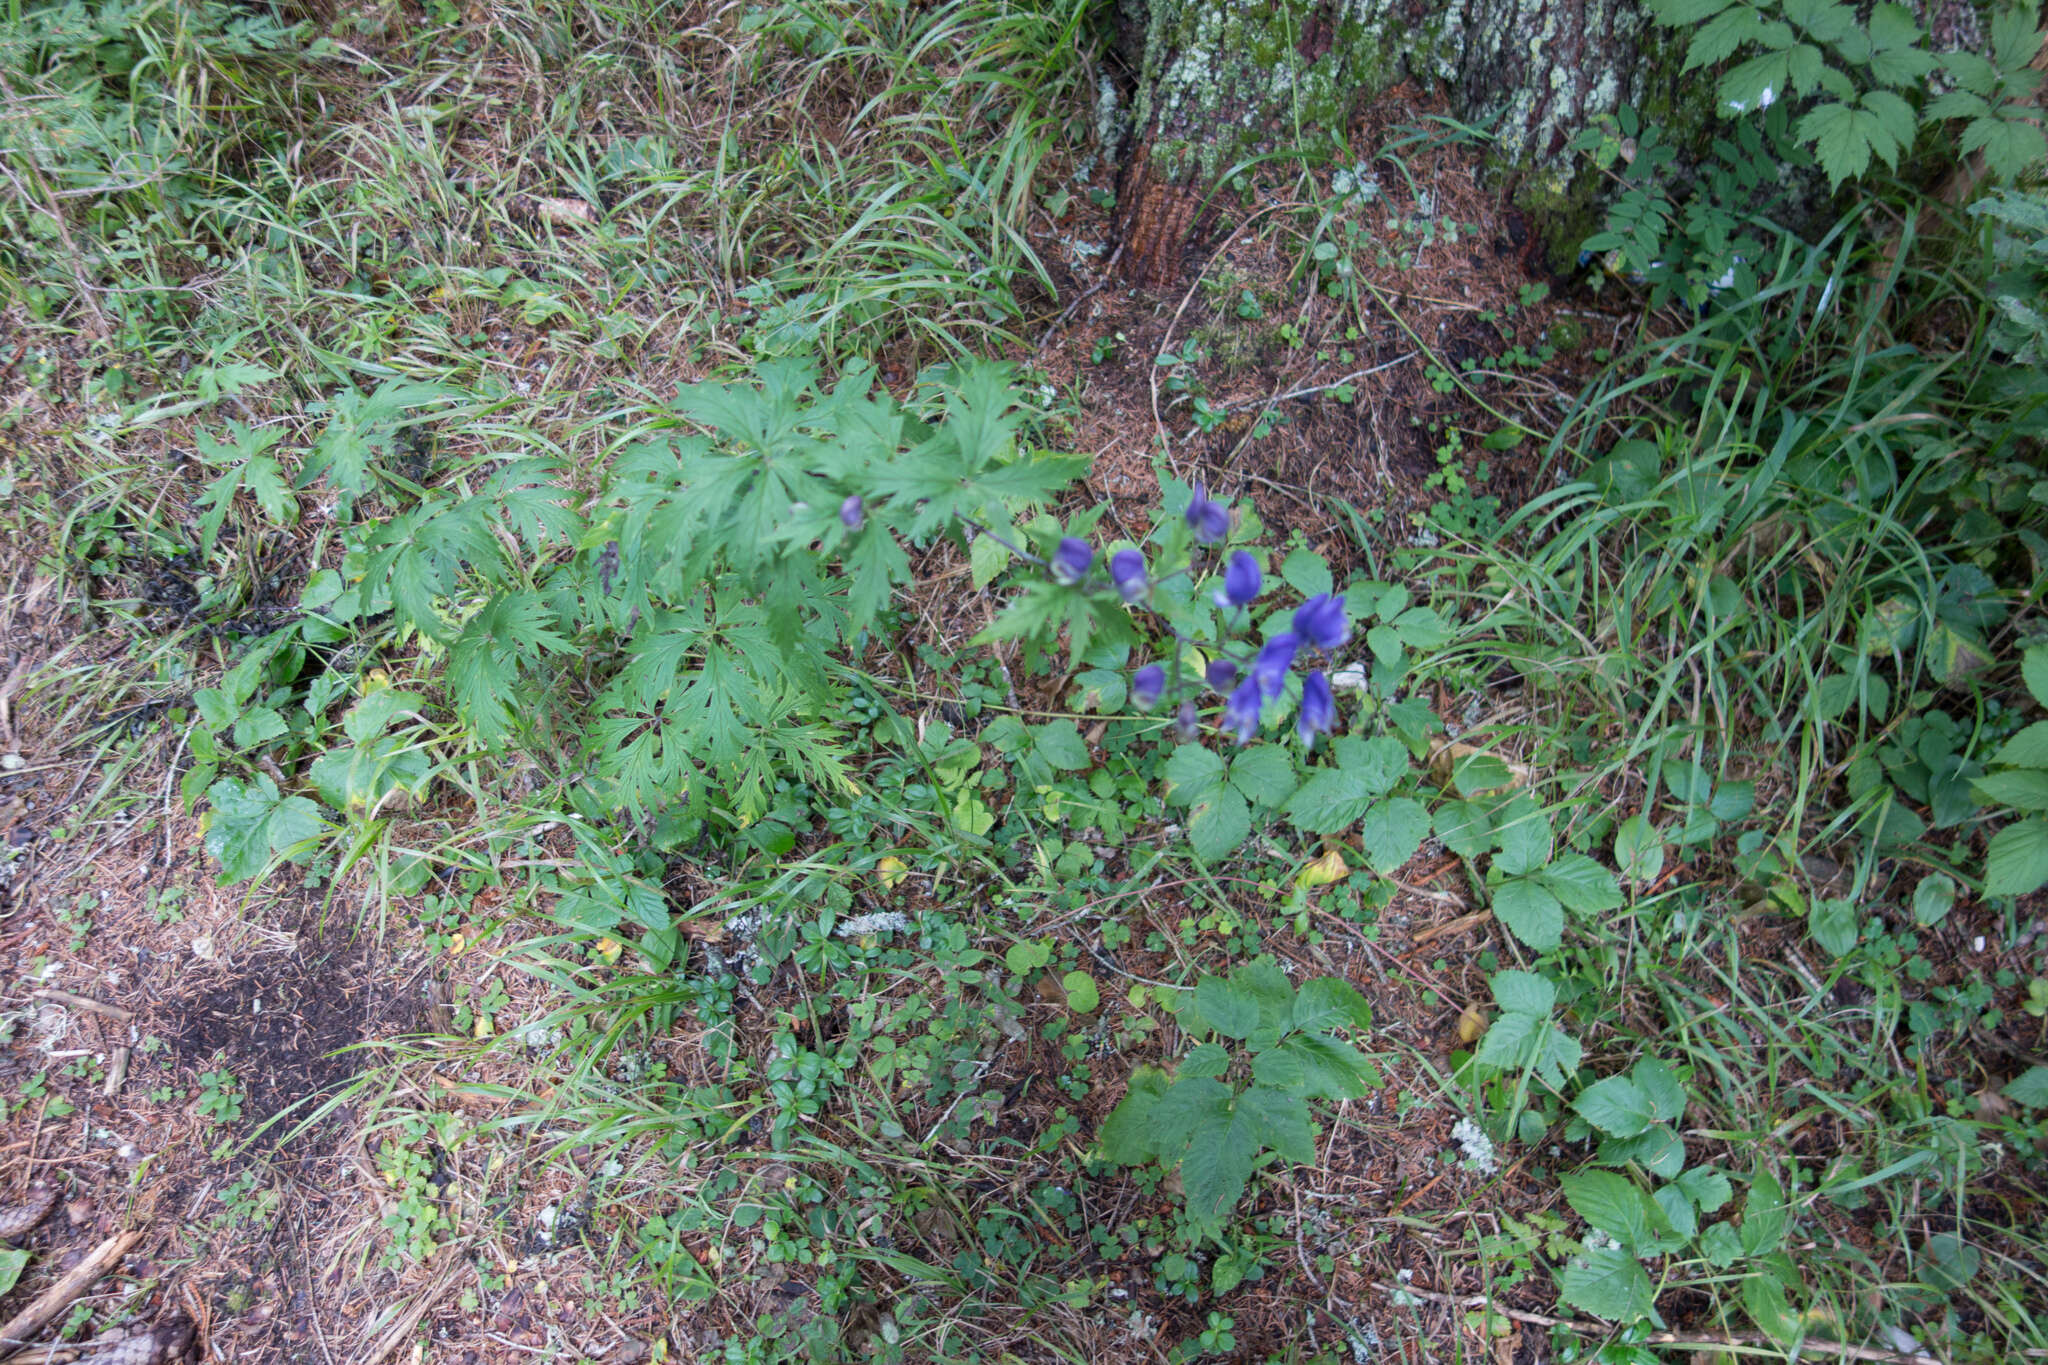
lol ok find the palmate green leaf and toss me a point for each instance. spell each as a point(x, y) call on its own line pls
point(1722, 37)
point(2015, 35)
point(2018, 859)
point(1823, 20)
point(1841, 138)
point(1609, 1283)
point(1318, 1066)
point(1742, 89)
point(1277, 1121)
point(2010, 145)
point(1129, 1137)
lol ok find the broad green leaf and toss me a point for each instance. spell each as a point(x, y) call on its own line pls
point(1679, 1213)
point(1522, 830)
point(1639, 849)
point(1612, 1203)
point(1230, 1009)
point(1338, 796)
point(2030, 1088)
point(1318, 1066)
point(1129, 1136)
point(1657, 1149)
point(1615, 1106)
point(1205, 1059)
point(1264, 774)
point(2034, 670)
point(2021, 788)
point(2018, 859)
point(1278, 1121)
point(1720, 1246)
point(1610, 1283)
point(1531, 912)
point(1519, 992)
point(1306, 573)
point(1585, 887)
point(248, 825)
point(1763, 1298)
point(1763, 1215)
point(1392, 831)
point(1707, 1188)
point(1464, 828)
point(1217, 1167)
point(1834, 925)
point(1192, 772)
point(1661, 1087)
point(1328, 1002)
point(1684, 13)
point(1933, 898)
point(12, 1262)
point(1218, 825)
point(1059, 742)
point(1083, 995)
point(2027, 749)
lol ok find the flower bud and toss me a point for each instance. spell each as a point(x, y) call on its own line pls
point(1148, 685)
point(853, 513)
point(1070, 563)
point(1221, 674)
point(1321, 621)
point(1187, 723)
point(1318, 708)
point(1210, 521)
point(1127, 571)
point(1269, 670)
point(1241, 581)
point(1241, 712)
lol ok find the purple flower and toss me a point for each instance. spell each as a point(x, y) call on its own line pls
point(1187, 723)
point(1240, 581)
point(1127, 571)
point(1318, 708)
point(1210, 521)
point(1148, 685)
point(1241, 712)
point(1269, 670)
point(853, 513)
point(1320, 621)
point(1221, 674)
point(1070, 562)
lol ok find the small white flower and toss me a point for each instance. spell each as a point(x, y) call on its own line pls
point(1764, 100)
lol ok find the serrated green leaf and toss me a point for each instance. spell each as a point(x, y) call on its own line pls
point(1722, 37)
point(1684, 13)
point(1612, 1203)
point(1763, 1298)
point(1278, 1121)
point(1318, 1066)
point(1059, 743)
point(1338, 796)
point(1265, 774)
point(1304, 571)
point(2027, 749)
point(1328, 1002)
point(1585, 887)
point(1205, 1059)
point(1615, 1106)
point(2030, 1088)
point(1834, 924)
point(1610, 1283)
point(1841, 139)
point(2015, 37)
point(2017, 862)
point(1522, 830)
point(1518, 992)
point(1707, 1188)
point(1218, 825)
point(1192, 774)
point(1392, 831)
point(1464, 828)
point(1532, 912)
point(1639, 849)
point(1216, 1169)
point(1129, 1137)
point(1720, 1246)
point(1661, 1087)
point(2034, 671)
point(1229, 1007)
point(1763, 1215)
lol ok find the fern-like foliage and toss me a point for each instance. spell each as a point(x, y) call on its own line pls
point(677, 627)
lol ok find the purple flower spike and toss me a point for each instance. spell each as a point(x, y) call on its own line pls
point(1071, 561)
point(1187, 723)
point(1127, 571)
point(1241, 581)
point(1318, 708)
point(1221, 674)
point(1241, 712)
point(1269, 670)
point(1321, 621)
point(1210, 521)
point(853, 513)
point(1148, 685)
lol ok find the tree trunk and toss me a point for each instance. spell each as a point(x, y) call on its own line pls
point(1221, 81)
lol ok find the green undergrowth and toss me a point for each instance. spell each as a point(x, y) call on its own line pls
point(488, 514)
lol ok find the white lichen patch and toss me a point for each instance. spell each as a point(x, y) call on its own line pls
point(1477, 1147)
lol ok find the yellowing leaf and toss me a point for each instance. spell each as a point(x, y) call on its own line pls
point(893, 872)
point(608, 949)
point(1471, 1024)
point(456, 944)
point(1329, 868)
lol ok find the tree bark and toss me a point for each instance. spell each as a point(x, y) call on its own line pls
point(1222, 81)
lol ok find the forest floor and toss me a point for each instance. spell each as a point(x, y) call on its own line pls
point(358, 1115)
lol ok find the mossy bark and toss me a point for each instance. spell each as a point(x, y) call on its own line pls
point(1222, 81)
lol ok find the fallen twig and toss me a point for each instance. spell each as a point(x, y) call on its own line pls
point(54, 1300)
point(80, 1002)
